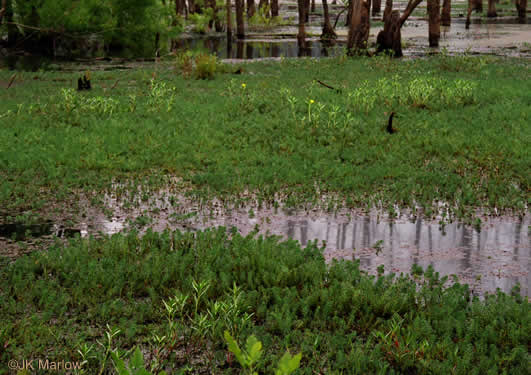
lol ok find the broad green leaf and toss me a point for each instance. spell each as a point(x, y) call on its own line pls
point(234, 348)
point(119, 365)
point(137, 361)
point(288, 364)
point(254, 349)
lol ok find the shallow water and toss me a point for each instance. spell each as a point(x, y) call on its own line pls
point(497, 254)
point(22, 232)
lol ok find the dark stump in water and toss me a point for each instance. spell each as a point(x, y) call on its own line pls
point(390, 38)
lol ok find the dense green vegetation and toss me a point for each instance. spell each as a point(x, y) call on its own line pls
point(129, 24)
point(174, 295)
point(463, 138)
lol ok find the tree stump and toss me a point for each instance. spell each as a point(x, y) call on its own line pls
point(390, 38)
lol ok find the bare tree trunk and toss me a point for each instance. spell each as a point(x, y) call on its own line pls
point(376, 7)
point(251, 8)
point(191, 7)
point(312, 9)
point(229, 23)
point(434, 21)
point(307, 11)
point(411, 5)
point(240, 30)
point(2, 10)
point(358, 32)
point(476, 5)
point(491, 13)
point(274, 8)
point(349, 16)
point(301, 36)
point(390, 37)
point(328, 30)
point(179, 9)
point(388, 9)
point(12, 31)
point(521, 8)
point(446, 14)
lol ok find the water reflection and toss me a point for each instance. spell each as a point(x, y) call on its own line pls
point(498, 256)
point(253, 49)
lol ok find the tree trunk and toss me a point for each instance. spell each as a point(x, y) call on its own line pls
point(274, 8)
point(446, 14)
point(328, 31)
point(2, 10)
point(388, 9)
point(349, 16)
point(240, 30)
point(313, 6)
point(358, 32)
point(12, 31)
point(179, 7)
point(411, 5)
point(434, 21)
point(307, 11)
point(251, 8)
point(390, 38)
point(376, 7)
point(191, 7)
point(491, 13)
point(476, 5)
point(239, 46)
point(301, 36)
point(229, 24)
point(521, 8)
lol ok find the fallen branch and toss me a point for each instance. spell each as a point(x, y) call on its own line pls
point(115, 84)
point(327, 86)
point(11, 80)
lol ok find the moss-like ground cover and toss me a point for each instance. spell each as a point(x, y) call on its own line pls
point(174, 294)
point(464, 134)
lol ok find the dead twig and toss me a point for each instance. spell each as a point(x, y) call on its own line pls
point(115, 84)
point(327, 86)
point(11, 80)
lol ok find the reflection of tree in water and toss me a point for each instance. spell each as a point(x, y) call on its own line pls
point(465, 246)
point(249, 51)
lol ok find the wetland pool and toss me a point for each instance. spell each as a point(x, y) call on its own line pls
point(494, 254)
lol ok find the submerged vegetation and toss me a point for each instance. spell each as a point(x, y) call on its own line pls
point(175, 301)
point(462, 140)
